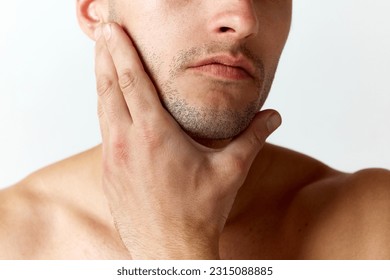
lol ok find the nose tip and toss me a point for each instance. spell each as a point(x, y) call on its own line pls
point(239, 22)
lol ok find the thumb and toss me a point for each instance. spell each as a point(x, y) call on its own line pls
point(243, 150)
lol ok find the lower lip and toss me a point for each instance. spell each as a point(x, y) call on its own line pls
point(222, 71)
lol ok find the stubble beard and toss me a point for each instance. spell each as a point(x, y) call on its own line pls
point(207, 122)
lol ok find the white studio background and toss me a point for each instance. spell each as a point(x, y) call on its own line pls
point(332, 87)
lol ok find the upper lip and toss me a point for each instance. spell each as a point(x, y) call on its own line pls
point(228, 60)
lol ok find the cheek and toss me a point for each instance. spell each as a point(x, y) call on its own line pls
point(159, 52)
point(152, 43)
point(155, 35)
point(154, 60)
point(274, 23)
point(270, 43)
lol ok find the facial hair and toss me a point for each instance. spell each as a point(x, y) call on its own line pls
point(207, 122)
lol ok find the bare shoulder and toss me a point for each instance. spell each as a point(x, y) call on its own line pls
point(343, 216)
point(55, 213)
point(35, 223)
point(377, 178)
point(29, 214)
point(21, 220)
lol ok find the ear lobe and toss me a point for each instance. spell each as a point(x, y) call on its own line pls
point(88, 16)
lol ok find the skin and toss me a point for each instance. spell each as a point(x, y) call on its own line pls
point(228, 106)
point(160, 187)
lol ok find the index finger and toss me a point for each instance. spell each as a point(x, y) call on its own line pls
point(138, 90)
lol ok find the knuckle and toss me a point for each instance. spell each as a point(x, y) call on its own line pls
point(127, 80)
point(120, 152)
point(151, 138)
point(104, 86)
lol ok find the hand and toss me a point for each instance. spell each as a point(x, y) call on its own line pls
point(169, 196)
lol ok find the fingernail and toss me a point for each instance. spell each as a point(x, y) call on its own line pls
point(273, 122)
point(107, 31)
point(98, 33)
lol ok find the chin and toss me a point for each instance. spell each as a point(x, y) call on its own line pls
point(210, 123)
point(213, 111)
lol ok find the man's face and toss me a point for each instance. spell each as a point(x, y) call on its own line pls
point(212, 62)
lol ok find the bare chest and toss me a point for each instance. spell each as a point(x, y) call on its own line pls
point(252, 236)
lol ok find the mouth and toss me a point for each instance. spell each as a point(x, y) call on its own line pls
point(225, 67)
